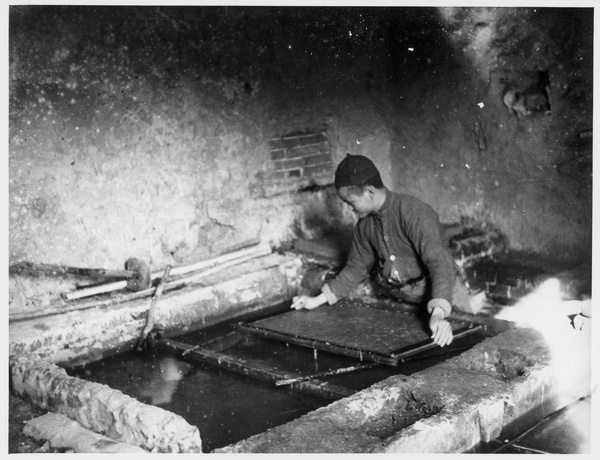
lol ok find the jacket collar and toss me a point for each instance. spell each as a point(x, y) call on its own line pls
point(386, 204)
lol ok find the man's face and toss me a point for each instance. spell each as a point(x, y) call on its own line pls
point(361, 205)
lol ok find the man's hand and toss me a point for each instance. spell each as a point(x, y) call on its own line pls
point(440, 328)
point(304, 302)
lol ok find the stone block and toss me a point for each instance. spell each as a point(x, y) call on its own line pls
point(289, 142)
point(443, 433)
point(102, 409)
point(491, 416)
point(278, 154)
point(63, 433)
point(318, 169)
point(317, 159)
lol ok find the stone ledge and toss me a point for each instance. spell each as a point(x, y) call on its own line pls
point(474, 396)
point(63, 433)
point(102, 409)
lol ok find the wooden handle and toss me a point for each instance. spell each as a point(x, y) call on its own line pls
point(154, 302)
point(252, 252)
point(161, 285)
point(51, 269)
point(57, 309)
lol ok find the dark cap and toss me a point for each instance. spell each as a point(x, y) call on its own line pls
point(354, 170)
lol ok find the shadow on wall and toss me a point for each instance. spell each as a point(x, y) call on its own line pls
point(534, 99)
point(323, 217)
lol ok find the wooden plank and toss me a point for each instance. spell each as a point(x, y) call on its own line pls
point(343, 370)
point(254, 369)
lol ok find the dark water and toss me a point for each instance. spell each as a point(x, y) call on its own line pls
point(227, 407)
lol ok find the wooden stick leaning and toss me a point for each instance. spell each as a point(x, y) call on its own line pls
point(104, 288)
point(146, 292)
point(151, 311)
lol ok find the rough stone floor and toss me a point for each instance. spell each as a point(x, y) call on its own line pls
point(563, 432)
point(18, 443)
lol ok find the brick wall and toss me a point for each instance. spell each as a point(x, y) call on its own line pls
point(300, 160)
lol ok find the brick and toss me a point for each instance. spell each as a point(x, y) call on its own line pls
point(289, 164)
point(319, 169)
point(294, 141)
point(307, 150)
point(312, 160)
point(319, 159)
point(294, 173)
point(278, 154)
point(278, 175)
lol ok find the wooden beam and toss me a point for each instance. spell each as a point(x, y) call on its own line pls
point(252, 368)
point(343, 370)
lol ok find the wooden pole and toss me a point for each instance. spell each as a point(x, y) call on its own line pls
point(317, 375)
point(151, 311)
point(140, 294)
point(104, 288)
point(220, 267)
point(32, 269)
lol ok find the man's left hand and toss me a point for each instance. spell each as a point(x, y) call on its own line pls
point(440, 328)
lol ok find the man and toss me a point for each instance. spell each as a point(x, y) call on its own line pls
point(399, 234)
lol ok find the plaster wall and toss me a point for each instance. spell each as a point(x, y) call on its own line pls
point(145, 132)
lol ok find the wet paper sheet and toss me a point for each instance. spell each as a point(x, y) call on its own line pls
point(353, 330)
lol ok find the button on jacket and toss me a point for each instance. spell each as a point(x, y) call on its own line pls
point(404, 240)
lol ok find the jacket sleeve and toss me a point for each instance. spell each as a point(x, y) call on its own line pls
point(358, 266)
point(423, 229)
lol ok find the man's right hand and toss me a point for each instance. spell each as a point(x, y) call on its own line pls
point(440, 328)
point(304, 302)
